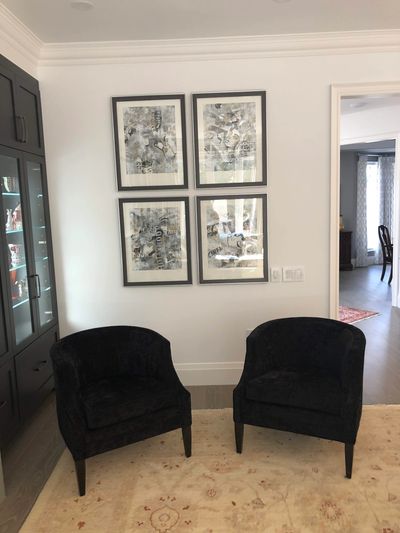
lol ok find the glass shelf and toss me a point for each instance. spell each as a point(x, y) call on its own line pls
point(8, 232)
point(46, 289)
point(16, 267)
point(20, 303)
point(11, 194)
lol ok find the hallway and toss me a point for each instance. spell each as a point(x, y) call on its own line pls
point(361, 288)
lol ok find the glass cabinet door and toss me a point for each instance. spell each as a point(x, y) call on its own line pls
point(16, 243)
point(40, 232)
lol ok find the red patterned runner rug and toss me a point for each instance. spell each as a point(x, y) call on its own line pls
point(350, 315)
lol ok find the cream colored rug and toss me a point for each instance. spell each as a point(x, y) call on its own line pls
point(282, 483)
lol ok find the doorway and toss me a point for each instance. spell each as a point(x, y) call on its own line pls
point(357, 147)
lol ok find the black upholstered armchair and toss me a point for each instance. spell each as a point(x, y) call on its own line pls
point(114, 386)
point(303, 375)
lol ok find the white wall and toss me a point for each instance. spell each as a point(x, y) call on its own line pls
point(206, 324)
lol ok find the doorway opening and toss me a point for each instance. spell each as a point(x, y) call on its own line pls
point(365, 195)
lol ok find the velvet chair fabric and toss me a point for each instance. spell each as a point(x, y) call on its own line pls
point(303, 375)
point(114, 386)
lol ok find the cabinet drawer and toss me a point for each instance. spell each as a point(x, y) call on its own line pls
point(8, 402)
point(34, 369)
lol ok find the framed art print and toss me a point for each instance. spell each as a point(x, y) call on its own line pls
point(155, 241)
point(150, 142)
point(230, 139)
point(232, 238)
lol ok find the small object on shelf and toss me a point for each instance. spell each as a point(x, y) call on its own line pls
point(341, 223)
point(10, 183)
point(9, 220)
point(17, 217)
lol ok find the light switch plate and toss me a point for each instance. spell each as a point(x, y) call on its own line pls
point(293, 273)
point(275, 274)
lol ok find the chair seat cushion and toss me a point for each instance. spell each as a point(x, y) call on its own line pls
point(303, 390)
point(118, 399)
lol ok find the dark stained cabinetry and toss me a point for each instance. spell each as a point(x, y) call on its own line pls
point(28, 309)
point(345, 250)
point(20, 110)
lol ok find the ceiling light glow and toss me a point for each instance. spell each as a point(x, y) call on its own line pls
point(81, 5)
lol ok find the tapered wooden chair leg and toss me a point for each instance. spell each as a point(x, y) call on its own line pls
point(187, 440)
point(348, 452)
point(80, 467)
point(383, 270)
point(239, 429)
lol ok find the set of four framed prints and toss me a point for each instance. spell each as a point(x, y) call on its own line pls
point(229, 151)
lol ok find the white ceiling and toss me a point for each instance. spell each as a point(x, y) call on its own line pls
point(355, 104)
point(113, 20)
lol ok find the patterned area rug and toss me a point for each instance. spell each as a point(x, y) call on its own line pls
point(282, 483)
point(350, 315)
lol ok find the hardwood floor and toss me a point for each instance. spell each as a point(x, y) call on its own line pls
point(31, 457)
point(362, 288)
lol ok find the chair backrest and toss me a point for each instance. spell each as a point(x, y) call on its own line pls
point(305, 343)
point(386, 243)
point(111, 351)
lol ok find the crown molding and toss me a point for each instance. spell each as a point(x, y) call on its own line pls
point(19, 38)
point(209, 49)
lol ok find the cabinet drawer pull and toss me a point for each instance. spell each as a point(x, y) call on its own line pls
point(40, 366)
point(3, 404)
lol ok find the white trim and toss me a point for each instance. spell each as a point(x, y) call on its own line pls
point(369, 138)
point(218, 373)
point(217, 48)
point(19, 37)
point(337, 92)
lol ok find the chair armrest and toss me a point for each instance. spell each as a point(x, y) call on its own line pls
point(255, 363)
point(67, 387)
point(352, 372)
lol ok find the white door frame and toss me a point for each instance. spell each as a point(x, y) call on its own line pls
point(337, 92)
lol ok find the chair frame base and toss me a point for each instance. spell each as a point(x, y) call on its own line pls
point(348, 448)
point(80, 464)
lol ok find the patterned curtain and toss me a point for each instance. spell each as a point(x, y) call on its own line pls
point(362, 258)
point(386, 200)
point(386, 171)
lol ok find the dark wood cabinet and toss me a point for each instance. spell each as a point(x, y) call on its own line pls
point(9, 418)
point(34, 370)
point(28, 307)
point(20, 109)
point(345, 250)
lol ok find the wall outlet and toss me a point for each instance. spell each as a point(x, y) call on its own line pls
point(293, 273)
point(275, 274)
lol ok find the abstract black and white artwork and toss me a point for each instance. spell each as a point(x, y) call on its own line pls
point(150, 142)
point(155, 240)
point(232, 237)
point(229, 132)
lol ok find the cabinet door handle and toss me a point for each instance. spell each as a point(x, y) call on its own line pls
point(40, 366)
point(25, 131)
point(3, 404)
point(20, 128)
point(38, 286)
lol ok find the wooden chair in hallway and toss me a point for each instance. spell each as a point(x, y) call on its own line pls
point(387, 250)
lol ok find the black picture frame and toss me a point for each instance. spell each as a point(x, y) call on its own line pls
point(244, 143)
point(217, 244)
point(148, 240)
point(150, 143)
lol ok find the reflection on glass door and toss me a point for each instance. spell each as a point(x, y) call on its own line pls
point(40, 239)
point(16, 247)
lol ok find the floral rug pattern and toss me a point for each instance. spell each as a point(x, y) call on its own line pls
point(281, 483)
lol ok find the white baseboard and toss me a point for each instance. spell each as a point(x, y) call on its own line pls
point(219, 373)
